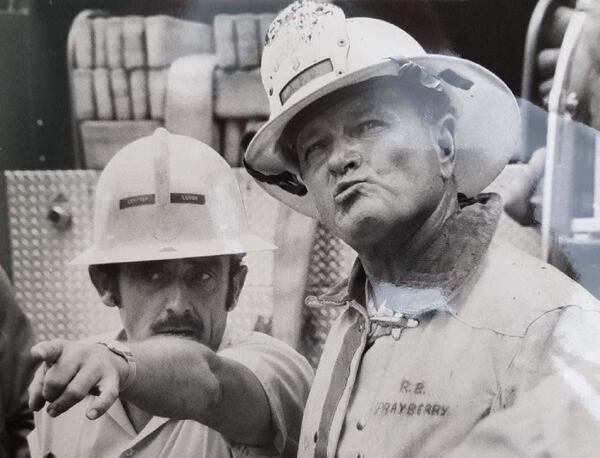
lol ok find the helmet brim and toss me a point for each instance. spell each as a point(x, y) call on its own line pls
point(203, 248)
point(486, 136)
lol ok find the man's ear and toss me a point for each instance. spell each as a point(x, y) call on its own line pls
point(106, 283)
point(443, 133)
point(236, 285)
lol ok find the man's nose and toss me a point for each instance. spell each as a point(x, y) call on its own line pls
point(344, 157)
point(179, 300)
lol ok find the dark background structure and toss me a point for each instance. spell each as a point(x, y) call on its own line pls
point(34, 107)
point(34, 100)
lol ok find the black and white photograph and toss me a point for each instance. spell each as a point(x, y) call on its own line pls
point(310, 228)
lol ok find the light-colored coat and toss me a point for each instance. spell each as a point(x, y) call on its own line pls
point(513, 369)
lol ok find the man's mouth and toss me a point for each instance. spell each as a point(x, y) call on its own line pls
point(190, 333)
point(345, 189)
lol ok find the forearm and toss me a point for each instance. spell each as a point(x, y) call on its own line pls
point(180, 378)
point(173, 378)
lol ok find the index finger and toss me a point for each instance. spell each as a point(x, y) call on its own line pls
point(36, 399)
point(48, 351)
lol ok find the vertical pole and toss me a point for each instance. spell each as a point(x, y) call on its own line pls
point(555, 117)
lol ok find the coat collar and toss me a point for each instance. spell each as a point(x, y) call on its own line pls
point(446, 264)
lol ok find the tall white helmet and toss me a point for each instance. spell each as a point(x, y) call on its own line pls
point(165, 197)
point(312, 50)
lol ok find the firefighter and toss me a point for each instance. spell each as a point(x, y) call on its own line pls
point(448, 343)
point(178, 380)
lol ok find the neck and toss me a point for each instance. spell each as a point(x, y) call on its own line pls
point(138, 417)
point(385, 260)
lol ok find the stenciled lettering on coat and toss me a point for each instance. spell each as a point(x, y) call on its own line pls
point(410, 409)
point(420, 388)
point(406, 386)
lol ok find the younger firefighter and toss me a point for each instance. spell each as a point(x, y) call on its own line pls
point(177, 380)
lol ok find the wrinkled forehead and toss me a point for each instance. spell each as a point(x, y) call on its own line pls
point(213, 262)
point(385, 93)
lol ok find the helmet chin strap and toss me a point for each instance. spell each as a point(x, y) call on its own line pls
point(285, 180)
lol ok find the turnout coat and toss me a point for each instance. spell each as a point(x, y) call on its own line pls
point(510, 366)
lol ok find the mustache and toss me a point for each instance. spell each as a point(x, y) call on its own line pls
point(186, 322)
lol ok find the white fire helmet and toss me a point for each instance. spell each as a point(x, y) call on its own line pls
point(312, 50)
point(165, 197)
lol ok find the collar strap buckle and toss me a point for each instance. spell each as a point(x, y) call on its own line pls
point(396, 321)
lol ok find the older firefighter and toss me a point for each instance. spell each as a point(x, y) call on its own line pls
point(169, 237)
point(448, 343)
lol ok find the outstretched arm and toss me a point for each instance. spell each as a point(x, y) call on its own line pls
point(175, 378)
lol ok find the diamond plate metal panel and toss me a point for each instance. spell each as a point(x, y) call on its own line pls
point(60, 299)
point(330, 261)
point(256, 299)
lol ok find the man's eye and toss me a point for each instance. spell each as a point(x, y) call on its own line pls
point(154, 276)
point(202, 277)
point(368, 126)
point(313, 148)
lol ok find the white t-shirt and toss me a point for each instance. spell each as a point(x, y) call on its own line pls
point(284, 374)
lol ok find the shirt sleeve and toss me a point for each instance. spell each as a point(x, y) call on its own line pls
point(286, 378)
point(550, 398)
point(33, 441)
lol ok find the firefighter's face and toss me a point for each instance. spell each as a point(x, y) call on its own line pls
point(374, 165)
point(184, 297)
